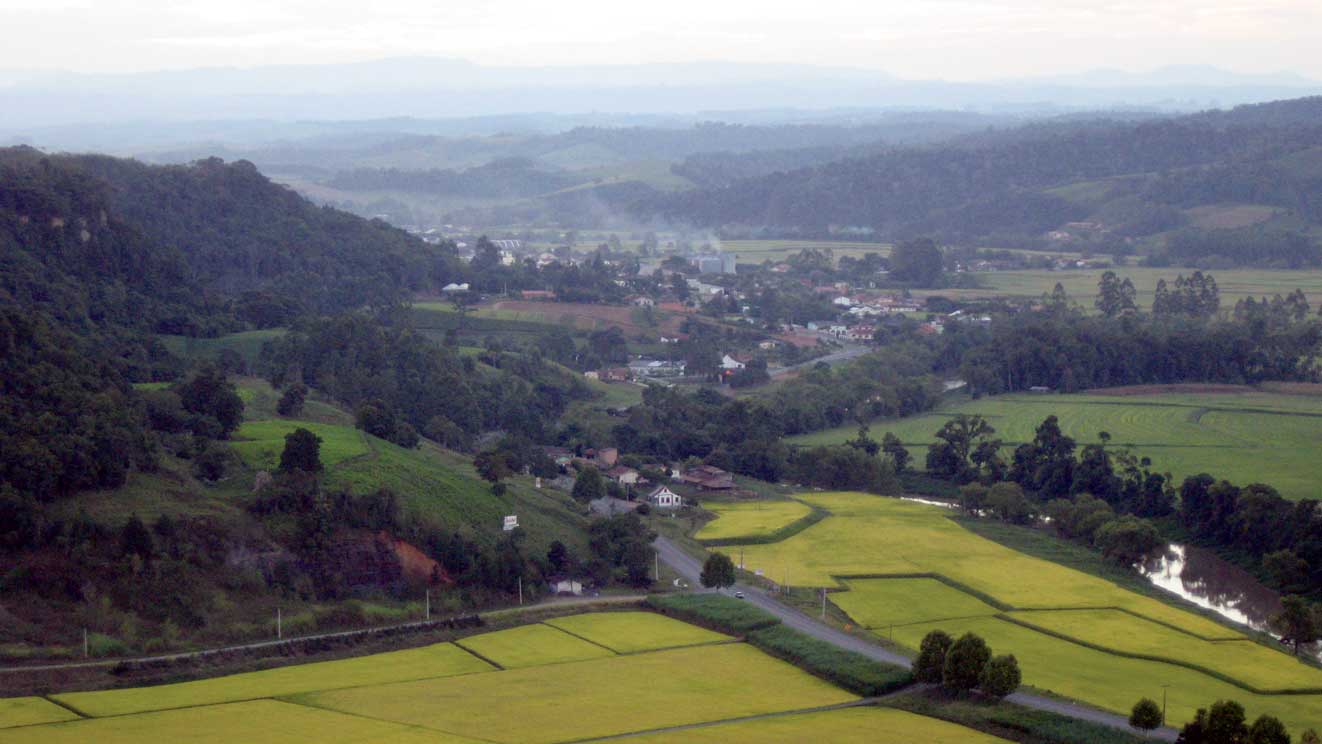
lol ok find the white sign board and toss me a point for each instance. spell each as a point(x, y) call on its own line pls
point(511, 522)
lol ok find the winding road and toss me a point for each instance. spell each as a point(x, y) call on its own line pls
point(689, 567)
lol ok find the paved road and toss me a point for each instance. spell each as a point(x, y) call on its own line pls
point(689, 567)
point(550, 602)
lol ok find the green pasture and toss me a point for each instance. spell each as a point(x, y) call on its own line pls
point(1247, 437)
point(880, 603)
point(260, 443)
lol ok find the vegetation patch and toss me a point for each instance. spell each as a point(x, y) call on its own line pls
point(714, 611)
point(259, 443)
point(854, 672)
point(847, 725)
point(1011, 721)
point(595, 698)
point(531, 645)
point(878, 603)
point(440, 660)
point(632, 632)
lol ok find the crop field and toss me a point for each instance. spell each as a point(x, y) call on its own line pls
point(440, 660)
point(531, 645)
point(1244, 436)
point(879, 603)
point(259, 443)
point(757, 251)
point(444, 694)
point(1081, 284)
point(1115, 682)
point(751, 519)
point(632, 632)
point(28, 711)
point(1243, 661)
point(267, 721)
point(1082, 643)
point(862, 725)
point(616, 695)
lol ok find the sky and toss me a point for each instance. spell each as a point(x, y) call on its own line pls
point(917, 39)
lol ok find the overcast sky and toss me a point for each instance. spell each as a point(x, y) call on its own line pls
point(952, 39)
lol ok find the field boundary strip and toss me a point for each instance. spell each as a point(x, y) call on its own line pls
point(1160, 659)
point(566, 631)
point(499, 667)
point(617, 652)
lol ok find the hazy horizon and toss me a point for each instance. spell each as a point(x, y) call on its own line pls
point(953, 40)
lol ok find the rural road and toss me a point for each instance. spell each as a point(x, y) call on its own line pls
point(689, 567)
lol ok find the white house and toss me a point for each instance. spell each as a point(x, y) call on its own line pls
point(560, 585)
point(664, 498)
point(729, 362)
point(842, 301)
point(452, 287)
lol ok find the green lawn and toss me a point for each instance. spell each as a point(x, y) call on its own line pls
point(531, 645)
point(1246, 437)
point(632, 632)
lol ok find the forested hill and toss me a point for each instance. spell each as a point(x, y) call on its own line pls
point(1135, 179)
point(170, 244)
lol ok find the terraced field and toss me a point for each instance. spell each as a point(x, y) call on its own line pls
point(555, 686)
point(751, 519)
point(259, 443)
point(1089, 640)
point(1245, 437)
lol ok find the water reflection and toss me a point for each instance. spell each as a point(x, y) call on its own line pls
point(1201, 577)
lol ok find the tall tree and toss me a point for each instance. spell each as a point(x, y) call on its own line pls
point(1296, 623)
point(717, 572)
point(302, 452)
point(918, 262)
point(1115, 296)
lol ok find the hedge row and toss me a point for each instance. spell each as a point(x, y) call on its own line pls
point(852, 671)
point(715, 611)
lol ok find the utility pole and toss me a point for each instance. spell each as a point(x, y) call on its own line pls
point(1163, 704)
point(656, 564)
point(520, 590)
point(427, 611)
point(279, 625)
point(823, 603)
point(85, 649)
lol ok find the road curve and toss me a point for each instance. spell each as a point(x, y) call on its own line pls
point(689, 567)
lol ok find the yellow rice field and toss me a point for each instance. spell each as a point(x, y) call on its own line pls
point(751, 518)
point(531, 645)
point(861, 725)
point(631, 632)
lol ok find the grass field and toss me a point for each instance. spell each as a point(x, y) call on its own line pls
point(632, 632)
point(751, 519)
point(757, 251)
point(440, 660)
point(531, 645)
point(1081, 285)
point(594, 698)
point(1115, 682)
point(863, 725)
point(29, 711)
point(879, 603)
point(259, 443)
point(266, 721)
point(1245, 437)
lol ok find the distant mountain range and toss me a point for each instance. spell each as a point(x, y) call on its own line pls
point(35, 102)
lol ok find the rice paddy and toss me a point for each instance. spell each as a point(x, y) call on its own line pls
point(751, 518)
point(557, 685)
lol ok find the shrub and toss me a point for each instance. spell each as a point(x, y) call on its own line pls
point(1146, 715)
point(964, 663)
point(931, 662)
point(1001, 676)
point(854, 672)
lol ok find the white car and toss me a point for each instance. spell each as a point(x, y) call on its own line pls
point(738, 595)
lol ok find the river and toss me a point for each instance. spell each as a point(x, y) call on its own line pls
point(1200, 576)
